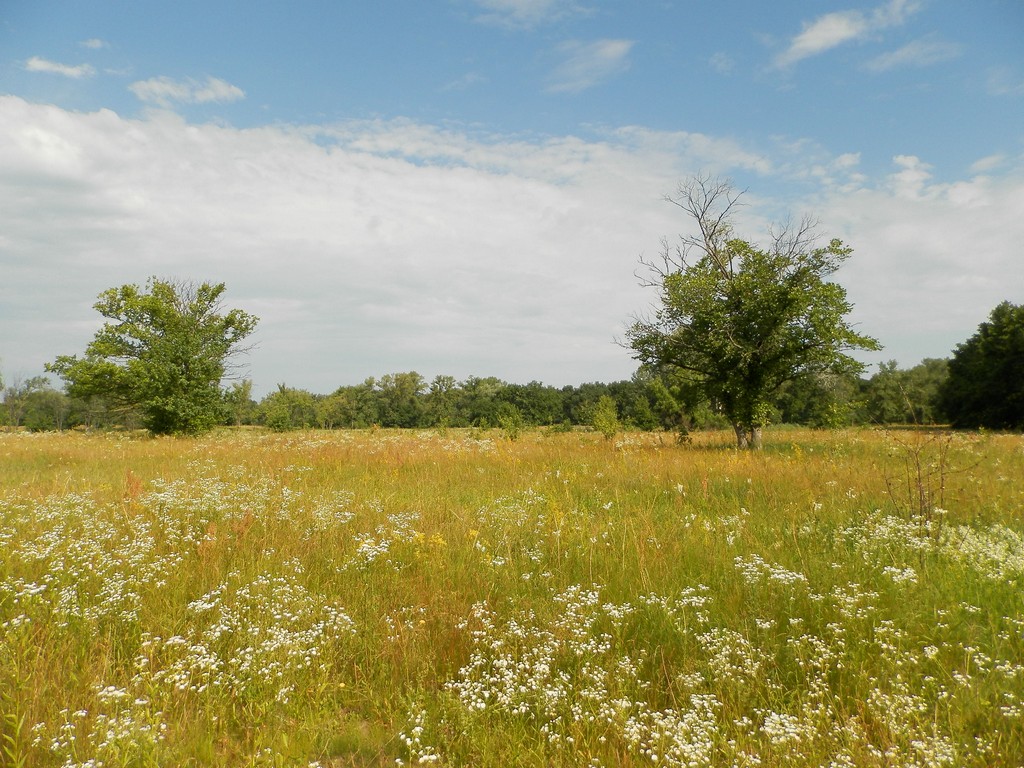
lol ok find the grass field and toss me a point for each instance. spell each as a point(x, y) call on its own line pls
point(378, 598)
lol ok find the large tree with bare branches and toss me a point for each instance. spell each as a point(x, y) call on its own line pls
point(737, 320)
point(163, 351)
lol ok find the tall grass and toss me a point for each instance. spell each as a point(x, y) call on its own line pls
point(384, 597)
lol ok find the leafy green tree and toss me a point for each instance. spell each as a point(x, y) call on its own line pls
point(820, 400)
point(923, 384)
point(605, 417)
point(95, 413)
point(985, 387)
point(163, 350)
point(539, 405)
point(440, 401)
point(46, 408)
point(366, 405)
point(897, 396)
point(743, 320)
point(639, 414)
point(288, 408)
point(18, 394)
point(510, 420)
point(275, 414)
point(478, 401)
point(333, 411)
point(239, 403)
point(400, 401)
point(635, 401)
point(667, 405)
point(887, 401)
point(580, 401)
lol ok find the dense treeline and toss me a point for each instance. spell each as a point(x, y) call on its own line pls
point(648, 401)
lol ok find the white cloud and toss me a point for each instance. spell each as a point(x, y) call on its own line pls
point(834, 29)
point(722, 63)
point(462, 255)
point(587, 64)
point(910, 180)
point(526, 13)
point(931, 259)
point(918, 53)
point(94, 43)
point(988, 163)
point(839, 173)
point(378, 246)
point(468, 80)
point(823, 34)
point(848, 160)
point(894, 13)
point(1003, 81)
point(165, 91)
point(38, 64)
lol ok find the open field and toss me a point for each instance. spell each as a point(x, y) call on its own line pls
point(377, 597)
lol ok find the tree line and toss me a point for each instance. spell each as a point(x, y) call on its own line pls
point(650, 400)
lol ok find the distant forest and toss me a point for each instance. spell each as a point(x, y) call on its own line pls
point(648, 401)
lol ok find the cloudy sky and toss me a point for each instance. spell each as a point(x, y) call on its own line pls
point(464, 187)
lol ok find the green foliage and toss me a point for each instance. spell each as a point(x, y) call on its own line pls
point(399, 397)
point(985, 387)
point(667, 405)
point(742, 320)
point(605, 418)
point(18, 397)
point(288, 408)
point(365, 403)
point(578, 402)
point(97, 413)
point(539, 404)
point(46, 409)
point(163, 351)
point(239, 403)
point(404, 400)
point(440, 404)
point(887, 400)
point(333, 411)
point(510, 419)
point(478, 402)
point(821, 400)
point(896, 396)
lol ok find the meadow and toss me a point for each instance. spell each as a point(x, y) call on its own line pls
point(377, 597)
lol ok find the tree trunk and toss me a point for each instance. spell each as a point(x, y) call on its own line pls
point(747, 437)
point(741, 436)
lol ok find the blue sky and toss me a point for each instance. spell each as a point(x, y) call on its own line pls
point(465, 186)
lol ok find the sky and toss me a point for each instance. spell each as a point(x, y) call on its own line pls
point(466, 187)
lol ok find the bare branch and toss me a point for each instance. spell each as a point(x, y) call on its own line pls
point(711, 202)
point(790, 240)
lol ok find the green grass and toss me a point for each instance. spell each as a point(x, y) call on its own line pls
point(363, 598)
